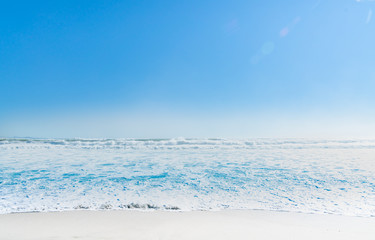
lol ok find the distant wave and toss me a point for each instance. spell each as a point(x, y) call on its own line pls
point(183, 143)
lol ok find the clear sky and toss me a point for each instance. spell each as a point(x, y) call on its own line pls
point(149, 69)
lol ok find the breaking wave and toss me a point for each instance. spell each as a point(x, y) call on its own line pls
point(183, 143)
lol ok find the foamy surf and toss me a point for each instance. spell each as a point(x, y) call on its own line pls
point(300, 175)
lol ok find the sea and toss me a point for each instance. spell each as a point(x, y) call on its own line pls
point(317, 176)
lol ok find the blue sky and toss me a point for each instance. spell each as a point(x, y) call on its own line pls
point(187, 68)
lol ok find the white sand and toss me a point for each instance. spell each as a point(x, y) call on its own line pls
point(241, 224)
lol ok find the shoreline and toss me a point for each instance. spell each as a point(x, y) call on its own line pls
point(151, 210)
point(224, 224)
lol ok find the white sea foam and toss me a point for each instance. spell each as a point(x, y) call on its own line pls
point(315, 176)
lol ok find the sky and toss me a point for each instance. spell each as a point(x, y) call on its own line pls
point(161, 69)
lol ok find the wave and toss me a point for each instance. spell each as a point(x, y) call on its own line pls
point(185, 143)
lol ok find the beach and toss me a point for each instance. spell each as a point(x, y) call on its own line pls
point(150, 120)
point(186, 189)
point(230, 224)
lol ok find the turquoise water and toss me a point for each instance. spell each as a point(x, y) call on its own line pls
point(314, 176)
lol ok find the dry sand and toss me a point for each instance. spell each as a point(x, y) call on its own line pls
point(233, 224)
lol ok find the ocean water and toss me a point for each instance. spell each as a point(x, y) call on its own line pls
point(300, 175)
